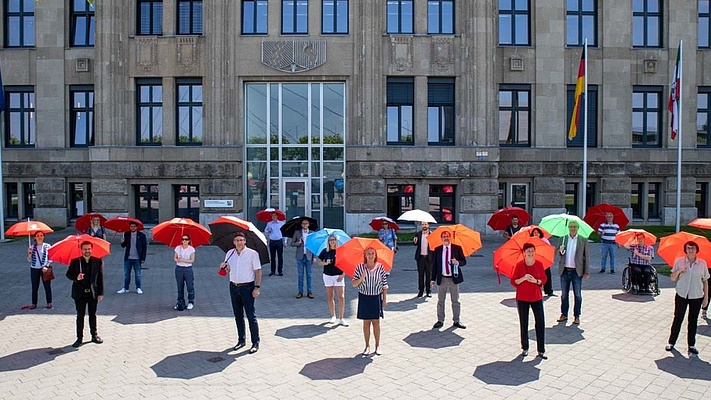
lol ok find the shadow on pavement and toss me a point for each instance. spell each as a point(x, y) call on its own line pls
point(335, 368)
point(302, 331)
point(405, 305)
point(704, 329)
point(152, 313)
point(194, 364)
point(686, 368)
point(434, 339)
point(561, 334)
point(30, 358)
point(633, 298)
point(509, 373)
point(509, 302)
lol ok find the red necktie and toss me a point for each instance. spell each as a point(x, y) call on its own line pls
point(446, 261)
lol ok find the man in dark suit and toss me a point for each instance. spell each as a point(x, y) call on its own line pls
point(446, 260)
point(422, 258)
point(87, 276)
point(573, 267)
point(135, 255)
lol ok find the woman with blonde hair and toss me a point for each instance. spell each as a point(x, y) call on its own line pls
point(333, 280)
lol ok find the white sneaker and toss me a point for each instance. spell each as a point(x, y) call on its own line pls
point(190, 306)
point(343, 322)
point(139, 291)
point(122, 291)
point(333, 320)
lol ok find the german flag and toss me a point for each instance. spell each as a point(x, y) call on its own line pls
point(579, 91)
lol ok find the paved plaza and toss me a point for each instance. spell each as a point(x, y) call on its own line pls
point(152, 351)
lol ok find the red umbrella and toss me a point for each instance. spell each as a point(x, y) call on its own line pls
point(69, 248)
point(624, 237)
point(511, 252)
point(121, 224)
point(266, 215)
point(702, 223)
point(468, 239)
point(224, 229)
point(672, 247)
point(350, 254)
point(171, 232)
point(596, 215)
point(28, 228)
point(377, 223)
point(501, 219)
point(84, 222)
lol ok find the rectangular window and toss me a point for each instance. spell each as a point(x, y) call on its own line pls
point(519, 195)
point(442, 203)
point(76, 200)
point(401, 16)
point(577, 141)
point(19, 23)
point(187, 201)
point(400, 198)
point(11, 200)
point(440, 17)
point(653, 200)
point(514, 25)
point(514, 115)
point(294, 17)
point(20, 119)
point(334, 17)
point(646, 116)
point(81, 115)
point(150, 17)
point(501, 195)
point(28, 195)
point(702, 199)
point(703, 117)
point(146, 203)
point(704, 19)
point(400, 106)
point(581, 22)
point(190, 17)
point(254, 17)
point(635, 200)
point(149, 113)
point(83, 23)
point(190, 115)
point(647, 23)
point(440, 111)
point(572, 197)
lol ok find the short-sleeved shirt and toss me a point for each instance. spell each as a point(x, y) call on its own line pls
point(645, 250)
point(375, 280)
point(242, 266)
point(608, 232)
point(185, 255)
point(330, 269)
point(510, 230)
point(690, 284)
point(388, 237)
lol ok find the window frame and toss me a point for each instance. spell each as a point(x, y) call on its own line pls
point(399, 30)
point(151, 105)
point(29, 200)
point(577, 141)
point(440, 192)
point(392, 84)
point(579, 14)
point(12, 211)
point(445, 122)
point(88, 109)
point(192, 213)
point(644, 210)
point(707, 17)
point(89, 30)
point(336, 30)
point(514, 12)
point(152, 18)
point(295, 8)
point(704, 91)
point(646, 15)
point(27, 106)
point(193, 30)
point(255, 17)
point(440, 16)
point(400, 193)
point(645, 90)
point(22, 15)
point(515, 109)
point(701, 199)
point(151, 196)
point(192, 83)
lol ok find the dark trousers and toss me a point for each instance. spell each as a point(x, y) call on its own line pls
point(548, 286)
point(82, 302)
point(641, 275)
point(243, 303)
point(184, 277)
point(540, 323)
point(424, 274)
point(707, 306)
point(36, 277)
point(276, 250)
point(680, 305)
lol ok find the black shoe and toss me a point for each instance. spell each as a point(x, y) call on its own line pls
point(437, 325)
point(459, 325)
point(602, 271)
point(272, 274)
point(692, 350)
point(280, 274)
point(96, 339)
point(429, 294)
point(612, 272)
point(254, 349)
point(238, 346)
point(77, 343)
point(543, 356)
point(419, 294)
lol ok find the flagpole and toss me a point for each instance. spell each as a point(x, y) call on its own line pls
point(678, 153)
point(585, 130)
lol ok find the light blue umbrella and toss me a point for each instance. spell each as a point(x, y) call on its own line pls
point(318, 240)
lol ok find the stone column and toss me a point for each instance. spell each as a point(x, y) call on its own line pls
point(548, 196)
point(218, 92)
point(51, 201)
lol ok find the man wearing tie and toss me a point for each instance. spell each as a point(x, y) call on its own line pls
point(422, 258)
point(303, 259)
point(276, 243)
point(573, 267)
point(446, 260)
point(87, 276)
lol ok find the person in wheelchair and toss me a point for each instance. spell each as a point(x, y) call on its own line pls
point(640, 262)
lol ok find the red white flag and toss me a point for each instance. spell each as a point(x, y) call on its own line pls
point(674, 88)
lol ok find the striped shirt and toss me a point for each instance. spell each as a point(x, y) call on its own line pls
point(375, 280)
point(40, 256)
point(608, 232)
point(644, 250)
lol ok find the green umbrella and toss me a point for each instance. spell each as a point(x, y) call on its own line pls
point(557, 225)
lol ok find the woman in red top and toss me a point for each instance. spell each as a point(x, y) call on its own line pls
point(527, 278)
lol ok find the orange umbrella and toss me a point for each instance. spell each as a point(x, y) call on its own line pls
point(171, 232)
point(84, 222)
point(672, 247)
point(703, 223)
point(468, 239)
point(526, 231)
point(28, 228)
point(350, 254)
point(69, 248)
point(511, 253)
point(624, 237)
point(596, 215)
point(122, 224)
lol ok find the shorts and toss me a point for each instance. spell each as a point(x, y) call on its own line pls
point(332, 280)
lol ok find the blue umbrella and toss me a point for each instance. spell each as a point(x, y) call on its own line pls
point(318, 240)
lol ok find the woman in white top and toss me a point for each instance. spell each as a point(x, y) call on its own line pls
point(184, 257)
point(38, 256)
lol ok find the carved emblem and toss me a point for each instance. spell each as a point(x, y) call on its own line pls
point(442, 54)
point(401, 49)
point(146, 57)
point(293, 56)
point(187, 52)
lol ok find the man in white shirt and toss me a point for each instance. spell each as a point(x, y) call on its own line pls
point(573, 266)
point(276, 244)
point(424, 266)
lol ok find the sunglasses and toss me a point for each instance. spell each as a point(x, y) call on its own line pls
point(186, 239)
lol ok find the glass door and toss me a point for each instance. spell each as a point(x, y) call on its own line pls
point(294, 197)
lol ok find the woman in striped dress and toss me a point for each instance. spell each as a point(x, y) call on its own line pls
point(372, 283)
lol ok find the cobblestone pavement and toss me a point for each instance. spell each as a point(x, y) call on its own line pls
point(152, 351)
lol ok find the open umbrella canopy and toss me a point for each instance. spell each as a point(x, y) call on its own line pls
point(69, 248)
point(318, 241)
point(468, 239)
point(350, 254)
point(501, 219)
point(266, 214)
point(672, 247)
point(28, 228)
point(511, 253)
point(122, 224)
point(84, 222)
point(630, 235)
point(526, 231)
point(224, 229)
point(596, 215)
point(557, 225)
point(702, 223)
point(294, 224)
point(377, 223)
point(417, 216)
point(171, 232)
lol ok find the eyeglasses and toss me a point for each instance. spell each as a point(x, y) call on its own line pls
point(186, 239)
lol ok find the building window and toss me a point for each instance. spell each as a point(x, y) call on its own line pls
point(19, 23)
point(335, 17)
point(294, 17)
point(401, 16)
point(440, 111)
point(581, 22)
point(79, 199)
point(702, 199)
point(146, 203)
point(572, 197)
point(646, 116)
point(190, 115)
point(501, 196)
point(149, 101)
point(514, 115)
point(646, 23)
point(20, 121)
point(653, 200)
point(254, 17)
point(187, 201)
point(400, 198)
point(190, 17)
point(440, 17)
point(82, 23)
point(401, 103)
point(442, 203)
point(28, 199)
point(150, 17)
point(703, 117)
point(704, 31)
point(518, 193)
point(577, 141)
point(514, 27)
point(11, 200)
point(81, 112)
point(645, 200)
point(635, 201)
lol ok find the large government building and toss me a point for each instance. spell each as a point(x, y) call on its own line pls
point(346, 110)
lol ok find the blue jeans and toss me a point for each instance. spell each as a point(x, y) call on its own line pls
point(243, 303)
point(304, 264)
point(184, 276)
point(127, 264)
point(608, 249)
point(276, 250)
point(571, 276)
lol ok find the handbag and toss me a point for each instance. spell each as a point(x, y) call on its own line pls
point(48, 275)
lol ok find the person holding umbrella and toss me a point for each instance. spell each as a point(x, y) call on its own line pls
point(87, 275)
point(333, 280)
point(184, 257)
point(387, 235)
point(640, 262)
point(95, 229)
point(573, 266)
point(512, 228)
point(422, 258)
point(527, 278)
point(548, 284)
point(372, 282)
point(276, 243)
point(38, 256)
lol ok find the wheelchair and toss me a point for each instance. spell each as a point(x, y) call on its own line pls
point(630, 284)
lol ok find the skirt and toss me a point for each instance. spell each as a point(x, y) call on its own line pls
point(369, 307)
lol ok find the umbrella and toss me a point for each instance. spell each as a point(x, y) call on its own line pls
point(377, 223)
point(28, 228)
point(266, 215)
point(224, 229)
point(526, 230)
point(318, 241)
point(121, 224)
point(468, 239)
point(501, 219)
point(69, 248)
point(511, 252)
point(84, 222)
point(557, 225)
point(294, 224)
point(417, 216)
point(702, 223)
point(350, 254)
point(171, 232)
point(596, 215)
point(672, 247)
point(624, 237)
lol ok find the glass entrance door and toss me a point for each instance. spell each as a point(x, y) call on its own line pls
point(294, 197)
